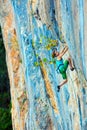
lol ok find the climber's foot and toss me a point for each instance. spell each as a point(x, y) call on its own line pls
point(58, 88)
point(39, 18)
point(71, 63)
point(72, 68)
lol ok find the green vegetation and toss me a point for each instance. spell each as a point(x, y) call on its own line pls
point(36, 63)
point(47, 44)
point(51, 43)
point(5, 119)
point(4, 100)
point(5, 107)
point(4, 81)
point(44, 60)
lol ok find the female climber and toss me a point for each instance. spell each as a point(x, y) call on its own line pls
point(62, 65)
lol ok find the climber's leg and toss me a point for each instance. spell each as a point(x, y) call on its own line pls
point(64, 76)
point(59, 86)
point(63, 71)
point(66, 63)
point(71, 64)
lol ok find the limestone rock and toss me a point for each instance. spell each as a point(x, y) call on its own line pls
point(30, 29)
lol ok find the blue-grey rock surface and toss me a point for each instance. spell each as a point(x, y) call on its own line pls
point(31, 28)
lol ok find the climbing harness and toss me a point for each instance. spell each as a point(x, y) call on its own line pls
point(58, 70)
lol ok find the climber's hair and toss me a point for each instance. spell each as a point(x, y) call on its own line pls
point(54, 53)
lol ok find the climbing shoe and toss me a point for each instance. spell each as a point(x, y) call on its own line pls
point(72, 69)
point(58, 88)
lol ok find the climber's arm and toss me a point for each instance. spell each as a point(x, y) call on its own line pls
point(64, 51)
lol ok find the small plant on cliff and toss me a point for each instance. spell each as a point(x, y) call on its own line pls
point(47, 44)
point(51, 43)
point(36, 63)
point(44, 60)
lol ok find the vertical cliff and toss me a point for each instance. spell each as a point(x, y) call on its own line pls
point(31, 28)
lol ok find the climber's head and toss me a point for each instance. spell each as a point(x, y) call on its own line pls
point(55, 53)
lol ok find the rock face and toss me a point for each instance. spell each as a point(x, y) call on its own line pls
point(30, 30)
